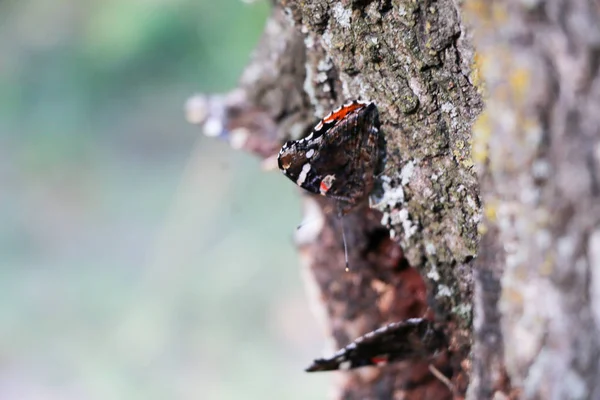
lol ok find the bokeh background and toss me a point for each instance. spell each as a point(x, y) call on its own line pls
point(139, 259)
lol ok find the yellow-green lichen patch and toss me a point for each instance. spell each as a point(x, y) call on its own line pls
point(482, 132)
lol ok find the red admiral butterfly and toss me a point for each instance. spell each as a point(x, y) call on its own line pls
point(340, 157)
point(414, 338)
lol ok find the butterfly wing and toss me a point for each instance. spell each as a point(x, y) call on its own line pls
point(411, 339)
point(340, 156)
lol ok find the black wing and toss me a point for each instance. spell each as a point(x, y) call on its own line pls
point(415, 338)
point(341, 155)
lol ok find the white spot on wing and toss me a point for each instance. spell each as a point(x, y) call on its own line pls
point(303, 174)
point(382, 329)
point(345, 365)
point(310, 153)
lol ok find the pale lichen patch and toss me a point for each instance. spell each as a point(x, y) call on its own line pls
point(342, 15)
point(444, 291)
point(407, 172)
point(433, 273)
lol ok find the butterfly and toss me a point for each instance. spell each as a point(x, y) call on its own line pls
point(340, 157)
point(414, 338)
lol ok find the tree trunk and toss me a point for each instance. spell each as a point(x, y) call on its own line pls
point(537, 144)
point(532, 280)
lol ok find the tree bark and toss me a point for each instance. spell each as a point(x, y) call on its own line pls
point(533, 280)
point(539, 152)
point(413, 256)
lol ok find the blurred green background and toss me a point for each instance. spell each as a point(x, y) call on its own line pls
point(139, 259)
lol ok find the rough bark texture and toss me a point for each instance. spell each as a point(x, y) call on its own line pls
point(538, 146)
point(535, 284)
point(413, 256)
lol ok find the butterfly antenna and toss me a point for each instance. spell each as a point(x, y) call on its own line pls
point(345, 243)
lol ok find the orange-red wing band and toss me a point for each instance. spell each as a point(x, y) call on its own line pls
point(341, 114)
